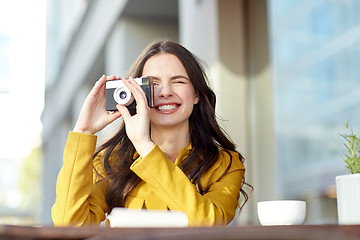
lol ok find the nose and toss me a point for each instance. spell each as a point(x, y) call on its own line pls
point(165, 90)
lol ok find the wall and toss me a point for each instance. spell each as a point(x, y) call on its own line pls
point(229, 36)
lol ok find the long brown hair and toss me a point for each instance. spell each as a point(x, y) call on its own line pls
point(206, 136)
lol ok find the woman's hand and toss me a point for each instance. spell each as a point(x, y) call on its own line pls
point(93, 115)
point(137, 126)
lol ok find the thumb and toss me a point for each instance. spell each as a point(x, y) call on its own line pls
point(124, 112)
point(113, 116)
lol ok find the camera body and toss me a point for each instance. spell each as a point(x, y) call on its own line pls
point(118, 93)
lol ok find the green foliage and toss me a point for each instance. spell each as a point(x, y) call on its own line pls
point(30, 180)
point(352, 156)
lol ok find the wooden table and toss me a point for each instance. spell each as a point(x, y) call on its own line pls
point(308, 232)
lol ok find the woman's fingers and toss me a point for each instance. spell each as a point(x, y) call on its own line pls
point(112, 77)
point(124, 112)
point(113, 116)
point(102, 80)
point(99, 83)
point(93, 115)
point(137, 91)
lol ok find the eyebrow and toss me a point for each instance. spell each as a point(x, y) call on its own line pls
point(173, 77)
point(180, 76)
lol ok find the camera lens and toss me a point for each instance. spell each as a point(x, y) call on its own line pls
point(123, 95)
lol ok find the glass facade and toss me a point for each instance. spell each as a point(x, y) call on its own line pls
point(4, 62)
point(315, 58)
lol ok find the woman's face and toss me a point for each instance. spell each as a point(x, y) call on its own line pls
point(174, 94)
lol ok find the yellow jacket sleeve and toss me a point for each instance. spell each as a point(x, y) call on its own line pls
point(168, 181)
point(81, 194)
point(79, 199)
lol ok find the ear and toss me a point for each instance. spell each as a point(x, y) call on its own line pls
point(196, 98)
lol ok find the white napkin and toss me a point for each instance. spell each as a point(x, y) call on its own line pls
point(124, 217)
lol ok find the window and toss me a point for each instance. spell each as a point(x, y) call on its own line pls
point(315, 58)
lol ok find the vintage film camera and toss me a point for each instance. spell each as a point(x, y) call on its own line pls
point(118, 93)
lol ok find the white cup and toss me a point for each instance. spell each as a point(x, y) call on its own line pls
point(281, 212)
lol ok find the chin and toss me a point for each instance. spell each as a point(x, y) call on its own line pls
point(167, 123)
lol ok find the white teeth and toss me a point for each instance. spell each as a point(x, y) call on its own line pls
point(167, 107)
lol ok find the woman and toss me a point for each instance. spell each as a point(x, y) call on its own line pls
point(172, 157)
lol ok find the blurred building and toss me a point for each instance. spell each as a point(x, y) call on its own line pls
point(315, 49)
point(19, 167)
point(271, 64)
point(89, 38)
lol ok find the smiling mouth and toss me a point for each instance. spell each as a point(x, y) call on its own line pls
point(167, 107)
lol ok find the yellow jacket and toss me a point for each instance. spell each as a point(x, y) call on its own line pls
point(80, 197)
